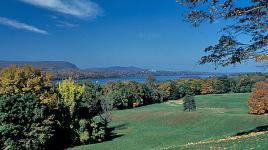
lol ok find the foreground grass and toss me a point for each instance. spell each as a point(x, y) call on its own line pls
point(166, 126)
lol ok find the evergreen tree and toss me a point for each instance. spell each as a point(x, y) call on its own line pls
point(174, 94)
point(189, 103)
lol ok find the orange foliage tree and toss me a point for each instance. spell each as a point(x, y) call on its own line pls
point(258, 99)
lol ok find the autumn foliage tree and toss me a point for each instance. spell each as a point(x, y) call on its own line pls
point(20, 80)
point(36, 115)
point(26, 113)
point(258, 99)
point(169, 89)
point(244, 34)
point(70, 92)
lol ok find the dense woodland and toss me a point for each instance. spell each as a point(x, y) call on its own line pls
point(36, 114)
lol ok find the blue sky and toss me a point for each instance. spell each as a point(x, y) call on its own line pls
point(101, 33)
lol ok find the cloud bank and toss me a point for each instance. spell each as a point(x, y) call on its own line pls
point(22, 26)
point(76, 8)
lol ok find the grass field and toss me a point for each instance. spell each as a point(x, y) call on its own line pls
point(166, 126)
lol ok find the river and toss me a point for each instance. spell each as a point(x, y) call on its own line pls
point(142, 79)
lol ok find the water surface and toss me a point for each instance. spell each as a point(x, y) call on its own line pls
point(142, 78)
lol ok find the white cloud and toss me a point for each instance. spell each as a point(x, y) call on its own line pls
point(65, 24)
point(61, 23)
point(77, 8)
point(19, 25)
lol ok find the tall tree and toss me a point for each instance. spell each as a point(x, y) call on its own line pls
point(174, 94)
point(243, 38)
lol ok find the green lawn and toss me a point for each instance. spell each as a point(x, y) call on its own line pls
point(164, 125)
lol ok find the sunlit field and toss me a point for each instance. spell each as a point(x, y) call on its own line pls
point(166, 126)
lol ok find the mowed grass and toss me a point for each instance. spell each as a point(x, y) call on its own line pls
point(164, 125)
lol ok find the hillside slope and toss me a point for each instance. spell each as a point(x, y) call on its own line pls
point(167, 126)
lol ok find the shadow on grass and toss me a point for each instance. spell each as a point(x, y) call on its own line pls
point(257, 129)
point(110, 132)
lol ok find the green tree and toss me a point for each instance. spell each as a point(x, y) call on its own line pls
point(189, 103)
point(121, 98)
point(221, 85)
point(25, 123)
point(184, 89)
point(174, 92)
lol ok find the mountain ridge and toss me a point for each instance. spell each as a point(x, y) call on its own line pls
point(65, 69)
point(44, 65)
point(116, 68)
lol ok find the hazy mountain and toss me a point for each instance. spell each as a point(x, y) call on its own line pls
point(44, 65)
point(118, 69)
point(63, 69)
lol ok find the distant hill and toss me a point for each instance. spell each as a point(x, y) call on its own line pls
point(135, 70)
point(44, 65)
point(118, 69)
point(64, 69)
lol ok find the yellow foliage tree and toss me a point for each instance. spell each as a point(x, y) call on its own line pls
point(19, 80)
point(70, 93)
point(166, 87)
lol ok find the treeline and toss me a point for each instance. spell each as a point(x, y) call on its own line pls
point(88, 74)
point(212, 85)
point(77, 74)
point(129, 94)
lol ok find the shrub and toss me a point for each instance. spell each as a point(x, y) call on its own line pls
point(189, 103)
point(258, 99)
point(90, 132)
